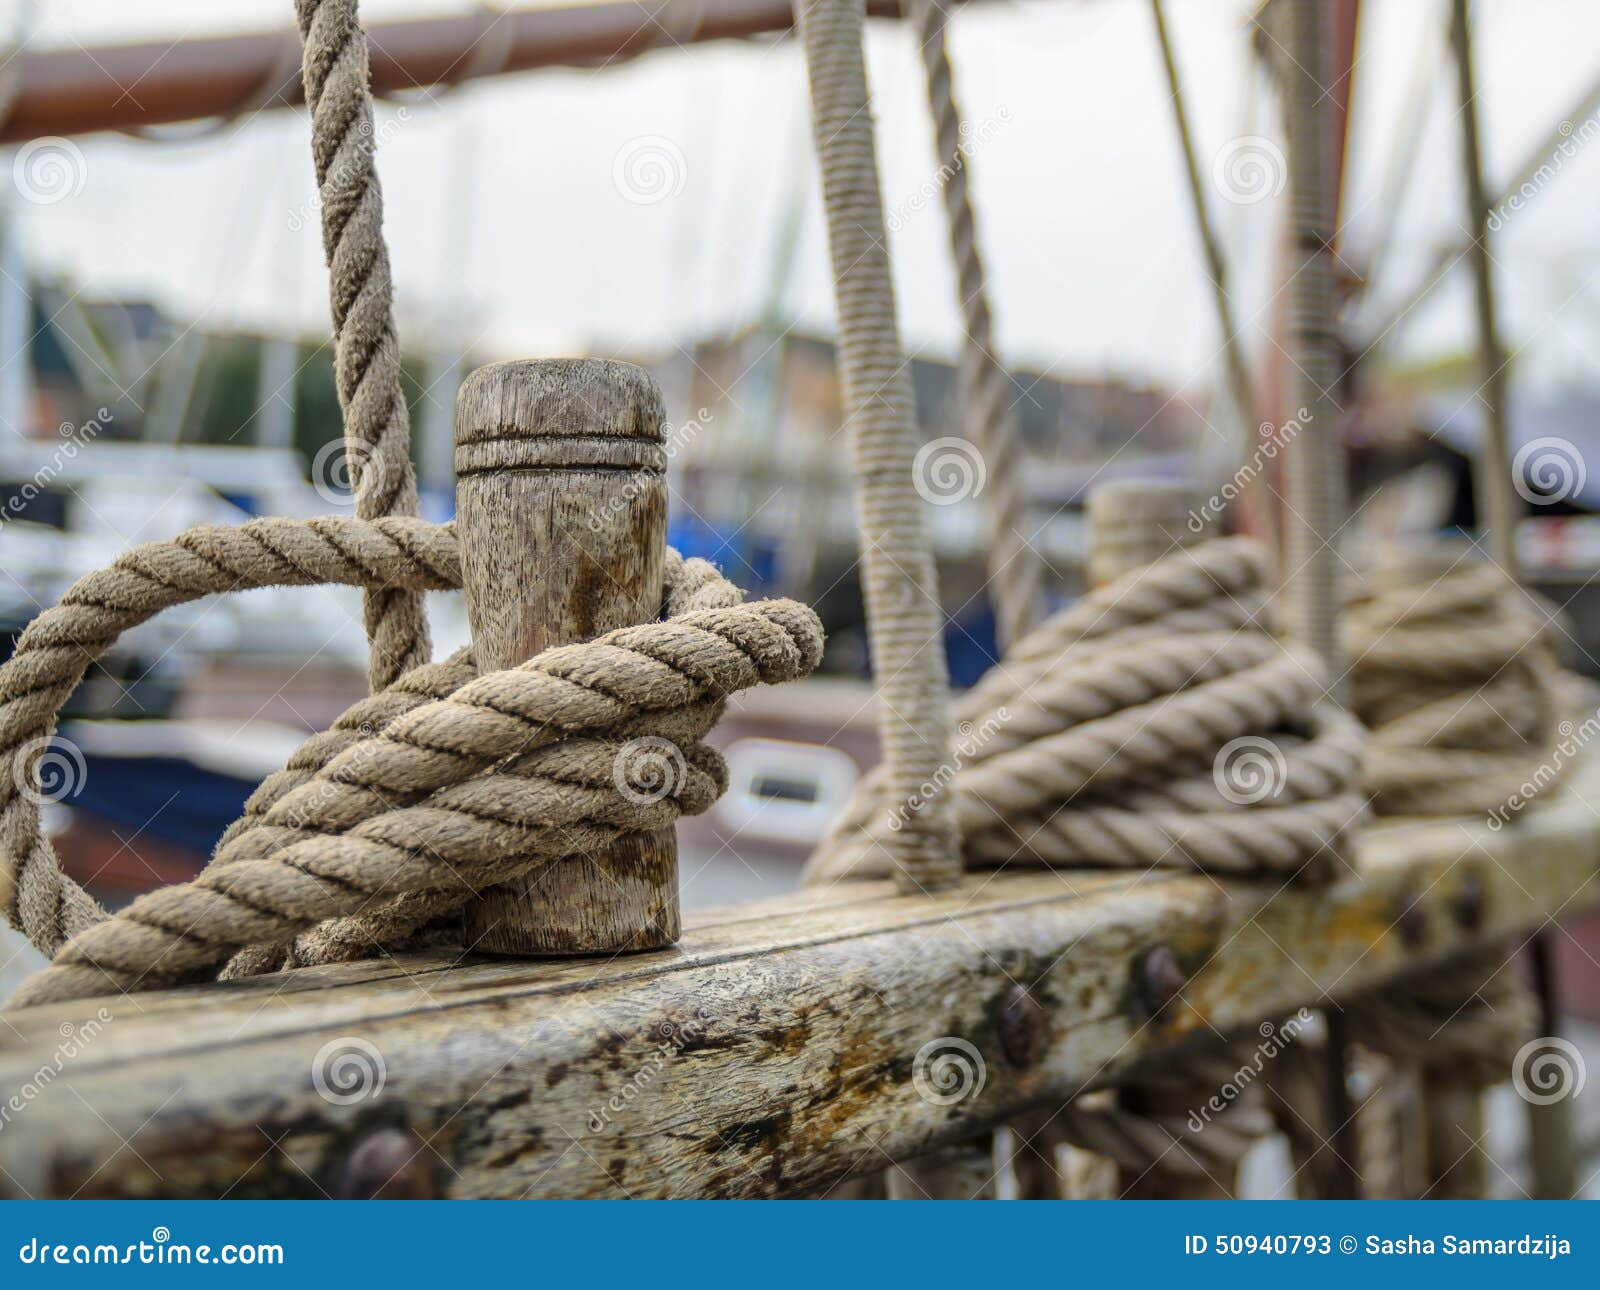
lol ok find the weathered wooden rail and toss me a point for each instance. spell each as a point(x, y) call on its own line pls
point(774, 1051)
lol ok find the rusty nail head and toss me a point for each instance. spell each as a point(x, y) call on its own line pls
point(1160, 980)
point(388, 1164)
point(1021, 1027)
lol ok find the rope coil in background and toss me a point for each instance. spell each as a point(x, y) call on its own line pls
point(1155, 722)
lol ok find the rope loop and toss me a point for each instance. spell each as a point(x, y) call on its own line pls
point(417, 796)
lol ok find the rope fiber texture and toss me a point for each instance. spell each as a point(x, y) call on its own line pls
point(417, 798)
point(1155, 722)
point(377, 422)
point(1015, 572)
point(904, 619)
point(1454, 670)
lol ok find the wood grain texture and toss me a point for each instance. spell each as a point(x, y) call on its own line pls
point(561, 508)
point(773, 1052)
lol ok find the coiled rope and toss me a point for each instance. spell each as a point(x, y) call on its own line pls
point(1155, 722)
point(1454, 669)
point(420, 796)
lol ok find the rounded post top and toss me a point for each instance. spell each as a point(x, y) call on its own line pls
point(559, 414)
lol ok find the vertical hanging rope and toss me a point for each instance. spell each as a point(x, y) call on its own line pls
point(1015, 575)
point(1315, 465)
point(377, 423)
point(903, 613)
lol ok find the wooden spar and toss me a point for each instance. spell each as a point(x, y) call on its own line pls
point(773, 1052)
point(561, 506)
point(78, 91)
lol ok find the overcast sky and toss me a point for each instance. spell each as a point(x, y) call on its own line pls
point(517, 206)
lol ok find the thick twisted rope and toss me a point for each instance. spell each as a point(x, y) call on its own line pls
point(377, 423)
point(61, 644)
point(1454, 669)
point(1153, 723)
point(421, 795)
point(904, 621)
point(1015, 576)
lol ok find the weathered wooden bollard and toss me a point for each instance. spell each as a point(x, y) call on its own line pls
point(561, 509)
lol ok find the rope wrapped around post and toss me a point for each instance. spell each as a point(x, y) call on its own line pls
point(1154, 722)
point(465, 780)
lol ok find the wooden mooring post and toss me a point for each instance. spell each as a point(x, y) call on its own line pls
point(562, 516)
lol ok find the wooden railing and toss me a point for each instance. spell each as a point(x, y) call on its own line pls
point(778, 1049)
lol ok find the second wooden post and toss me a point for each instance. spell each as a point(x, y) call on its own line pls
point(561, 510)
